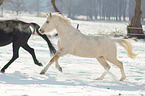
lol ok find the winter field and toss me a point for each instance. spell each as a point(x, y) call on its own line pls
point(22, 78)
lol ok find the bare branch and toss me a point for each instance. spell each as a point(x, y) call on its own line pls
point(54, 6)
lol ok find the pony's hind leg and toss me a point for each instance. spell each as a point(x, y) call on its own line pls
point(31, 51)
point(106, 66)
point(119, 64)
point(15, 56)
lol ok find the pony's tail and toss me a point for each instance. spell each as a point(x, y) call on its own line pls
point(35, 27)
point(127, 45)
point(44, 36)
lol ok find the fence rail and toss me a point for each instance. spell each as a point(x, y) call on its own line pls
point(134, 28)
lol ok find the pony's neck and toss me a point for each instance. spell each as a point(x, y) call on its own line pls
point(64, 28)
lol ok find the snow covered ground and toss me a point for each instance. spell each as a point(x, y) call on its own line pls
point(22, 78)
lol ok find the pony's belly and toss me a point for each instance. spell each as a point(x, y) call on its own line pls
point(89, 54)
point(5, 39)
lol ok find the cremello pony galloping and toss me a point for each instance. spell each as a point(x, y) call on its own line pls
point(72, 41)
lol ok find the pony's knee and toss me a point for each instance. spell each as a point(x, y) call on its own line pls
point(55, 58)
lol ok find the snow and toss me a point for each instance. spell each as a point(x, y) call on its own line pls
point(22, 78)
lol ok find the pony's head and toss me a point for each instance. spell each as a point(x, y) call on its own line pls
point(48, 25)
point(52, 21)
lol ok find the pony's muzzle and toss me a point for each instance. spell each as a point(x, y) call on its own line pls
point(41, 31)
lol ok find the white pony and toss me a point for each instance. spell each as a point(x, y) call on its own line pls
point(72, 41)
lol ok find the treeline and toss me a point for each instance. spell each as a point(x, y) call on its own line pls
point(99, 9)
point(90, 9)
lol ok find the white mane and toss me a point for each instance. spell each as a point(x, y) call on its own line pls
point(61, 17)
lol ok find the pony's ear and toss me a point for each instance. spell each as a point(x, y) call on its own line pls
point(47, 14)
point(50, 14)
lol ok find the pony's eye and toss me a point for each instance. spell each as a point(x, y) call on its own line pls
point(47, 21)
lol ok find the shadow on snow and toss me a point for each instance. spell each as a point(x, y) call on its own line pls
point(22, 79)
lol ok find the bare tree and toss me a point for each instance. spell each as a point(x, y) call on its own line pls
point(135, 26)
point(15, 5)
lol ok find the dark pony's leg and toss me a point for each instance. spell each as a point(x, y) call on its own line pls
point(31, 51)
point(15, 56)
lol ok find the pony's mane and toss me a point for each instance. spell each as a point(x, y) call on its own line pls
point(65, 19)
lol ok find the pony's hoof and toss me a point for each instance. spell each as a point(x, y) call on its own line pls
point(60, 69)
point(39, 64)
point(2, 71)
point(99, 79)
point(121, 79)
point(42, 72)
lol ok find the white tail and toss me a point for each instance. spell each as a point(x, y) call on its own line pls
point(127, 46)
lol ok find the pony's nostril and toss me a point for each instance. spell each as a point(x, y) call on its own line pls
point(41, 31)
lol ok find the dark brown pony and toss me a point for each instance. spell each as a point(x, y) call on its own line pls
point(18, 32)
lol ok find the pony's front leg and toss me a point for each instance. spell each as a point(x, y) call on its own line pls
point(58, 66)
point(55, 58)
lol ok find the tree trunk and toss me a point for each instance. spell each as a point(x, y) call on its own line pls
point(38, 7)
point(1, 2)
point(116, 9)
point(54, 6)
point(135, 26)
point(124, 9)
point(120, 9)
point(1, 11)
point(69, 9)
